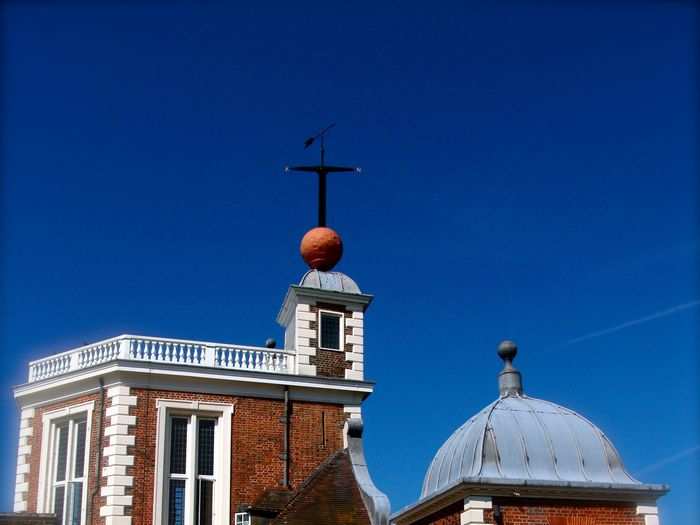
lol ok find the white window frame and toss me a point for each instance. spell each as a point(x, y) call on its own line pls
point(221, 507)
point(245, 518)
point(50, 422)
point(341, 329)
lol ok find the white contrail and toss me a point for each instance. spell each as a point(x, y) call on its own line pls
point(657, 315)
point(670, 459)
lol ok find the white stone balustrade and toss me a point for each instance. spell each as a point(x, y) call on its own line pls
point(166, 351)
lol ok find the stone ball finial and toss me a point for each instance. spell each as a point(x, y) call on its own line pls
point(507, 350)
point(321, 248)
point(510, 381)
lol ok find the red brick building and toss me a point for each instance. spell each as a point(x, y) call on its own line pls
point(526, 461)
point(140, 430)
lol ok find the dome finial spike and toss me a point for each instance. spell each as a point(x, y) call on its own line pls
point(509, 379)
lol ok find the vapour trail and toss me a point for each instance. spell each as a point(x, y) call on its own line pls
point(645, 319)
point(670, 459)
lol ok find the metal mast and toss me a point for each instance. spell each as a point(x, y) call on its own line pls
point(322, 171)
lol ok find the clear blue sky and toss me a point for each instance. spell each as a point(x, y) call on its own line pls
point(530, 172)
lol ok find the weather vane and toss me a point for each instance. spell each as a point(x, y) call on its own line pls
point(321, 170)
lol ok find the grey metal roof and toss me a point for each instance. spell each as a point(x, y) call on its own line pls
point(522, 438)
point(376, 502)
point(334, 281)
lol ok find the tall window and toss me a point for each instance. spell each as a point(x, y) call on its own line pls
point(68, 470)
point(193, 463)
point(330, 330)
point(191, 472)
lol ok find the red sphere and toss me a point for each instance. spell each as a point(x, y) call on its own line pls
point(321, 248)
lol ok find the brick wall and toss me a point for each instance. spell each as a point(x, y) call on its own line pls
point(27, 518)
point(564, 512)
point(257, 443)
point(544, 512)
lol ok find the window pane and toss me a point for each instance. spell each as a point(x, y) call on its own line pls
point(176, 504)
point(178, 446)
point(61, 452)
point(204, 502)
point(330, 331)
point(79, 448)
point(58, 495)
point(205, 459)
point(75, 501)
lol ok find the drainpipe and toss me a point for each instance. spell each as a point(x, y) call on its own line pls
point(88, 518)
point(285, 454)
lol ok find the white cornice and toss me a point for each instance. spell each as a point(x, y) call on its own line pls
point(317, 294)
point(186, 378)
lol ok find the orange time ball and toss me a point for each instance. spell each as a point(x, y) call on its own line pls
point(321, 248)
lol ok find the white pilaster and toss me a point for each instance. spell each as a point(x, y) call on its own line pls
point(118, 458)
point(474, 507)
point(24, 451)
point(303, 334)
point(356, 356)
point(650, 512)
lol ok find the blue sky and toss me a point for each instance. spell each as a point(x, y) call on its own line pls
point(530, 172)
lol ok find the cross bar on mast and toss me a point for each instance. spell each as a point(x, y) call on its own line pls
point(321, 170)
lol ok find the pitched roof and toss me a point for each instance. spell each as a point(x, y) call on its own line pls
point(330, 495)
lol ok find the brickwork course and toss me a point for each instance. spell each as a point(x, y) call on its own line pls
point(544, 512)
point(555, 512)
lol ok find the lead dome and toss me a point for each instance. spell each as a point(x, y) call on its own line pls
point(333, 281)
point(519, 439)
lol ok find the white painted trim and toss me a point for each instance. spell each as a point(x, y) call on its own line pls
point(650, 512)
point(116, 452)
point(48, 421)
point(24, 450)
point(474, 507)
point(224, 413)
point(194, 377)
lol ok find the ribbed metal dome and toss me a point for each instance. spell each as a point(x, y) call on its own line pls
point(334, 281)
point(522, 438)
